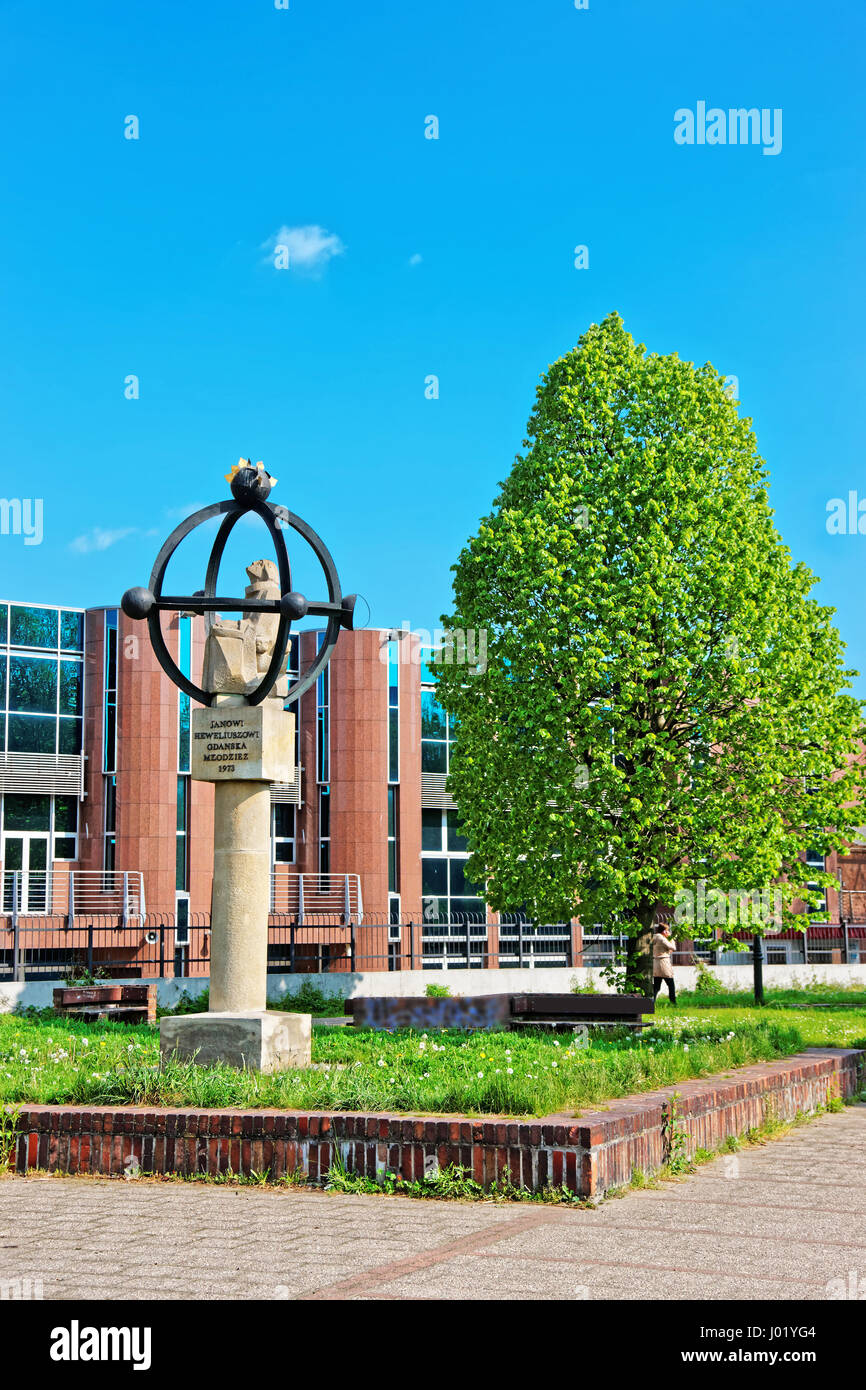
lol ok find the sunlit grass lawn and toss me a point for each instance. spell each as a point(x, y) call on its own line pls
point(49, 1061)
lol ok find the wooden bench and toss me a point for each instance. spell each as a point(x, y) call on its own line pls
point(580, 1010)
point(122, 1003)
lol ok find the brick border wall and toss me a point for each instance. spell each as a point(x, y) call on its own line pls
point(588, 1155)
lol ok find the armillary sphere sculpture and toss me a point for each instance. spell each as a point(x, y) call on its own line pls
point(250, 488)
point(242, 742)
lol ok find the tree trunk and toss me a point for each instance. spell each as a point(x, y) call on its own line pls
point(639, 951)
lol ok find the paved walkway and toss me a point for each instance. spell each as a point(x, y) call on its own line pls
point(779, 1222)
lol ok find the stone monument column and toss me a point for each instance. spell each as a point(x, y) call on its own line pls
point(242, 748)
point(242, 740)
point(241, 900)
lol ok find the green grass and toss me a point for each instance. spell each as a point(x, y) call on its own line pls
point(809, 992)
point(842, 1027)
point(44, 1059)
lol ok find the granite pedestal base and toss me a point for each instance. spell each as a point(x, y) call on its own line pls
point(258, 1040)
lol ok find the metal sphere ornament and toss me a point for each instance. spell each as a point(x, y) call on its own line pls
point(250, 487)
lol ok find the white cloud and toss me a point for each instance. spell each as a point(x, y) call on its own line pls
point(416, 259)
point(304, 249)
point(98, 539)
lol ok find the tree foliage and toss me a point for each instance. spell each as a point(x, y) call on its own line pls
point(663, 702)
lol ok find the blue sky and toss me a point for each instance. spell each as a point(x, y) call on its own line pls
point(454, 258)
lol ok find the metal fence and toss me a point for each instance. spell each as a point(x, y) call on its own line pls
point(103, 945)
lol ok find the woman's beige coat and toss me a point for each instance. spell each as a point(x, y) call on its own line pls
point(663, 948)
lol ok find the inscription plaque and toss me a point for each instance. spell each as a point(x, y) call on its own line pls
point(243, 743)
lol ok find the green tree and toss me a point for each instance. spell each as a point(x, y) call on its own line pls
point(663, 704)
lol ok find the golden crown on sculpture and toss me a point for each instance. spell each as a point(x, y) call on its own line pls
point(247, 463)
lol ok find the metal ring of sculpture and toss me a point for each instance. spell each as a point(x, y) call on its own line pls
point(250, 495)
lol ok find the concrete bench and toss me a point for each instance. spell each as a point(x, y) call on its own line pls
point(123, 1003)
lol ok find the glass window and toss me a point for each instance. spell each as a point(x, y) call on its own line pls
point(183, 732)
point(65, 847)
point(431, 830)
point(460, 885)
point(71, 631)
point(283, 832)
point(393, 745)
point(434, 876)
point(393, 862)
point(33, 627)
point(65, 814)
point(70, 687)
point(473, 907)
point(434, 910)
point(323, 723)
point(33, 684)
point(456, 841)
point(70, 736)
point(393, 712)
point(183, 701)
point(324, 830)
point(32, 733)
point(108, 850)
point(4, 623)
point(182, 813)
point(109, 732)
point(26, 812)
point(433, 757)
point(294, 666)
point(433, 724)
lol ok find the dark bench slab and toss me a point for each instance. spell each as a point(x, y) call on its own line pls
point(606, 1009)
point(420, 1013)
point(499, 1011)
point(123, 1003)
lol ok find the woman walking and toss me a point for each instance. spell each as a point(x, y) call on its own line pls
point(663, 967)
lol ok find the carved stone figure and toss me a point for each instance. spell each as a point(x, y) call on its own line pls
point(238, 651)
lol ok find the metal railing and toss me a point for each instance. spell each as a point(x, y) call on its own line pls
point(68, 892)
point(312, 894)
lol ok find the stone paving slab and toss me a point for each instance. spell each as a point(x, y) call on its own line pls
point(781, 1222)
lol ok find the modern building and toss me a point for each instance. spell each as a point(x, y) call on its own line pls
point(107, 841)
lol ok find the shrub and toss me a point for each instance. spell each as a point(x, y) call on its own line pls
point(707, 982)
point(309, 999)
point(578, 988)
point(438, 992)
point(187, 1004)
